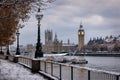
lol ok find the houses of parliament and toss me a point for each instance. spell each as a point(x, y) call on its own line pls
point(52, 44)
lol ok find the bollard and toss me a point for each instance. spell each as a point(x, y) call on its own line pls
point(15, 59)
point(35, 66)
point(6, 57)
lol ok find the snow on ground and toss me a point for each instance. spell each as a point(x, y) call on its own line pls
point(13, 71)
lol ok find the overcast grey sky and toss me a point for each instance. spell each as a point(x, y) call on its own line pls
point(99, 18)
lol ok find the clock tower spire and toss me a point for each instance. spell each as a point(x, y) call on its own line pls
point(81, 34)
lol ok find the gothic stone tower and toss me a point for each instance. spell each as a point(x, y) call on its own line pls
point(48, 37)
point(81, 34)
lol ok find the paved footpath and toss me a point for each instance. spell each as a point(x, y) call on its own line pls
point(13, 71)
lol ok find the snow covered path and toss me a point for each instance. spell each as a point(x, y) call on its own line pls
point(13, 71)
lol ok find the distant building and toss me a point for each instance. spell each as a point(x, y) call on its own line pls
point(81, 34)
point(30, 48)
point(55, 45)
point(69, 46)
point(93, 41)
point(50, 44)
point(48, 37)
point(109, 43)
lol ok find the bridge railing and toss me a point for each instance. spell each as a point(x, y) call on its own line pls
point(63, 71)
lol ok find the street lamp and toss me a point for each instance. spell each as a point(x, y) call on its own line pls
point(17, 34)
point(38, 52)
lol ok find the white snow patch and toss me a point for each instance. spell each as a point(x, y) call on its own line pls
point(12, 71)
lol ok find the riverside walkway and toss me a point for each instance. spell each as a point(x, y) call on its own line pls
point(12, 71)
point(52, 70)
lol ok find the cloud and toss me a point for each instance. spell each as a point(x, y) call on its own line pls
point(99, 18)
point(92, 20)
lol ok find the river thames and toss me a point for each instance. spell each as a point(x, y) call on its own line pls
point(101, 63)
point(104, 63)
point(98, 62)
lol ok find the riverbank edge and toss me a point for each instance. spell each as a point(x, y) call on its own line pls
point(97, 54)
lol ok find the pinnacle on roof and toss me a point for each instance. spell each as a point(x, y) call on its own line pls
point(81, 26)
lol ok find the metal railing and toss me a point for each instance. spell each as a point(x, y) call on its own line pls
point(67, 71)
point(72, 72)
point(2, 56)
point(25, 61)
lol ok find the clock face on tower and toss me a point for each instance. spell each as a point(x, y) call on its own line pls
point(82, 33)
point(78, 33)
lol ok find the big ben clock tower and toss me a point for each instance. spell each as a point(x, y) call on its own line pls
point(81, 34)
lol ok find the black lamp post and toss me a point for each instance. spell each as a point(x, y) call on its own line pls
point(17, 50)
point(1, 50)
point(8, 52)
point(38, 52)
point(17, 34)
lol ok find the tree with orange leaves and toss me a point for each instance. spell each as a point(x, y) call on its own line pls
point(13, 11)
